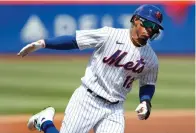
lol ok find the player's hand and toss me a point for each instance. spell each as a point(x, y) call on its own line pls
point(143, 110)
point(31, 48)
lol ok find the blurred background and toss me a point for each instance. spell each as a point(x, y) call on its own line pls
point(49, 77)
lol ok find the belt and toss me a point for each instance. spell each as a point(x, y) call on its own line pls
point(107, 101)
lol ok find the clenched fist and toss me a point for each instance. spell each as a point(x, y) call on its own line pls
point(29, 48)
point(143, 110)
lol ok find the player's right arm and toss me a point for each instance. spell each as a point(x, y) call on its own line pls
point(147, 84)
point(82, 40)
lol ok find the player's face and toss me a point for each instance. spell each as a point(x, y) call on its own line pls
point(145, 29)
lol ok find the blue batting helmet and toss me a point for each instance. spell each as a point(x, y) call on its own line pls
point(151, 13)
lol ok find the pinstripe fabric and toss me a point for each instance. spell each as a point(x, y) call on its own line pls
point(113, 66)
point(107, 80)
point(85, 111)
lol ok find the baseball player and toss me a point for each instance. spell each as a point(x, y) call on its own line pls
point(120, 57)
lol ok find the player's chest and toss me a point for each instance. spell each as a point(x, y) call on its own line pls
point(125, 60)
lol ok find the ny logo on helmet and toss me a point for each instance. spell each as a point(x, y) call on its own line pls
point(158, 16)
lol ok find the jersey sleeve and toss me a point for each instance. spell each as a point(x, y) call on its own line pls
point(150, 77)
point(91, 38)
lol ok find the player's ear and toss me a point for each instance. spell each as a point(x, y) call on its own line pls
point(135, 20)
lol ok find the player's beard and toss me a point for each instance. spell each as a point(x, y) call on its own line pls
point(142, 38)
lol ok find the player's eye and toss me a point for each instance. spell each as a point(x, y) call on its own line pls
point(149, 24)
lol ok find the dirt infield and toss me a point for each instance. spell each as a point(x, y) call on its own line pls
point(175, 121)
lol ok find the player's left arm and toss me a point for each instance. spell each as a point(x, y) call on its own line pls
point(81, 40)
point(57, 43)
point(147, 89)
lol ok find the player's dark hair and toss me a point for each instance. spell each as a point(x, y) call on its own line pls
point(135, 17)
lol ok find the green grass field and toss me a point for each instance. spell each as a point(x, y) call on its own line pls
point(28, 86)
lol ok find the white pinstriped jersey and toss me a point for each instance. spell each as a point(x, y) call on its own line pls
point(116, 62)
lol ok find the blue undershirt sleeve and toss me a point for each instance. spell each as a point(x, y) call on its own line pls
point(61, 43)
point(146, 92)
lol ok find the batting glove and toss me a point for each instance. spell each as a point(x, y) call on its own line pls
point(29, 48)
point(143, 110)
